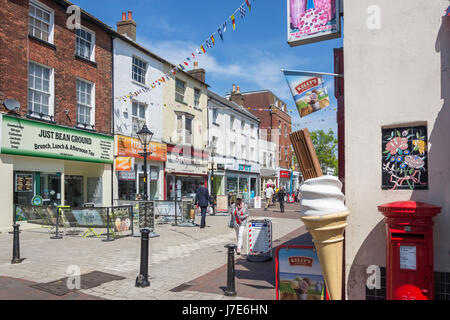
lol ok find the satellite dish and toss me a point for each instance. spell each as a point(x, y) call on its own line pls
point(11, 104)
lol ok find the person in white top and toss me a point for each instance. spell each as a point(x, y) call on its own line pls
point(239, 211)
point(269, 195)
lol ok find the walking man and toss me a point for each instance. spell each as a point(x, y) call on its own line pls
point(269, 193)
point(239, 211)
point(202, 200)
point(281, 195)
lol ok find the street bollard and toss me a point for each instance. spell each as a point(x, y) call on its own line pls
point(16, 245)
point(231, 288)
point(57, 236)
point(142, 278)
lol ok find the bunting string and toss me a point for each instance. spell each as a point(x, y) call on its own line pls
point(209, 43)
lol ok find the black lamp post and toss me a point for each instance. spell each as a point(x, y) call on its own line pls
point(212, 150)
point(145, 136)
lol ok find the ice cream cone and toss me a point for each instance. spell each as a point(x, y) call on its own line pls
point(327, 233)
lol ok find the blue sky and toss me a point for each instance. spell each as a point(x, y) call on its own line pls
point(250, 57)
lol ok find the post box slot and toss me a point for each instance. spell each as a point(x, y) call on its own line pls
point(408, 236)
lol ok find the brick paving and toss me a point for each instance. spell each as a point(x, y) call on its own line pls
point(180, 255)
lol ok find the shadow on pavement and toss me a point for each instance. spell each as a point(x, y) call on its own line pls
point(255, 280)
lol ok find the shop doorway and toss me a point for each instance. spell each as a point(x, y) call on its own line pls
point(252, 188)
point(74, 191)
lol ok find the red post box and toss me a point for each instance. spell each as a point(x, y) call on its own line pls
point(409, 249)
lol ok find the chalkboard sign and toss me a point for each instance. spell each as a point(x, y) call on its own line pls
point(222, 204)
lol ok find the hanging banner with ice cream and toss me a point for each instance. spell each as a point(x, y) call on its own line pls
point(309, 91)
point(298, 274)
point(313, 21)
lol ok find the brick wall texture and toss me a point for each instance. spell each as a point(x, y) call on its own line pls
point(17, 48)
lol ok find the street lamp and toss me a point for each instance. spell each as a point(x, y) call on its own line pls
point(145, 136)
point(212, 151)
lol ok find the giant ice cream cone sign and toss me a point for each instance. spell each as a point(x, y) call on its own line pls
point(323, 213)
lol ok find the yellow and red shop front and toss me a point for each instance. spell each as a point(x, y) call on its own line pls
point(129, 169)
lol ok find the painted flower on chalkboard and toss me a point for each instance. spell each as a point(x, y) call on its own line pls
point(414, 162)
point(404, 161)
point(397, 144)
point(420, 145)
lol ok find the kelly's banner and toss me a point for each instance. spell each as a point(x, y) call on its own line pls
point(309, 92)
point(313, 21)
point(298, 274)
point(36, 139)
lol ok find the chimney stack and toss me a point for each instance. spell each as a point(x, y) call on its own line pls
point(199, 74)
point(127, 27)
point(236, 95)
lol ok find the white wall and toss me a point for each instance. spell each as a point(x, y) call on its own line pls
point(270, 148)
point(123, 84)
point(225, 135)
point(394, 75)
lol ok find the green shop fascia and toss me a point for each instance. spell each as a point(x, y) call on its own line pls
point(82, 182)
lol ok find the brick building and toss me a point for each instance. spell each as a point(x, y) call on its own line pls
point(275, 126)
point(62, 133)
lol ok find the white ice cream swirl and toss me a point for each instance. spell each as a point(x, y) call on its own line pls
point(322, 196)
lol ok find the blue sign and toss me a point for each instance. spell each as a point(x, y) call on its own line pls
point(245, 168)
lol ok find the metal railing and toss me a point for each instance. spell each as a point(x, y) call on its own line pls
point(117, 220)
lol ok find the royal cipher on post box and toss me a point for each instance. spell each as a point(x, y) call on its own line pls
point(409, 250)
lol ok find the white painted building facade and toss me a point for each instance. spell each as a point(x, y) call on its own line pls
point(397, 103)
point(234, 131)
point(134, 69)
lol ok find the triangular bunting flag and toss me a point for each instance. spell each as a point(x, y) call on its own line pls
point(224, 27)
point(242, 10)
point(219, 31)
point(203, 49)
point(248, 5)
point(213, 40)
point(233, 21)
point(208, 44)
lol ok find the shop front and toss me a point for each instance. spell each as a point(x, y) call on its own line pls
point(51, 165)
point(217, 180)
point(185, 170)
point(242, 179)
point(129, 168)
point(285, 179)
point(268, 177)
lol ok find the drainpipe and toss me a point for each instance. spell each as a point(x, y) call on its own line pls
point(112, 118)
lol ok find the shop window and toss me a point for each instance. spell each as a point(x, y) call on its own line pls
point(95, 191)
point(28, 185)
point(404, 158)
point(74, 191)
